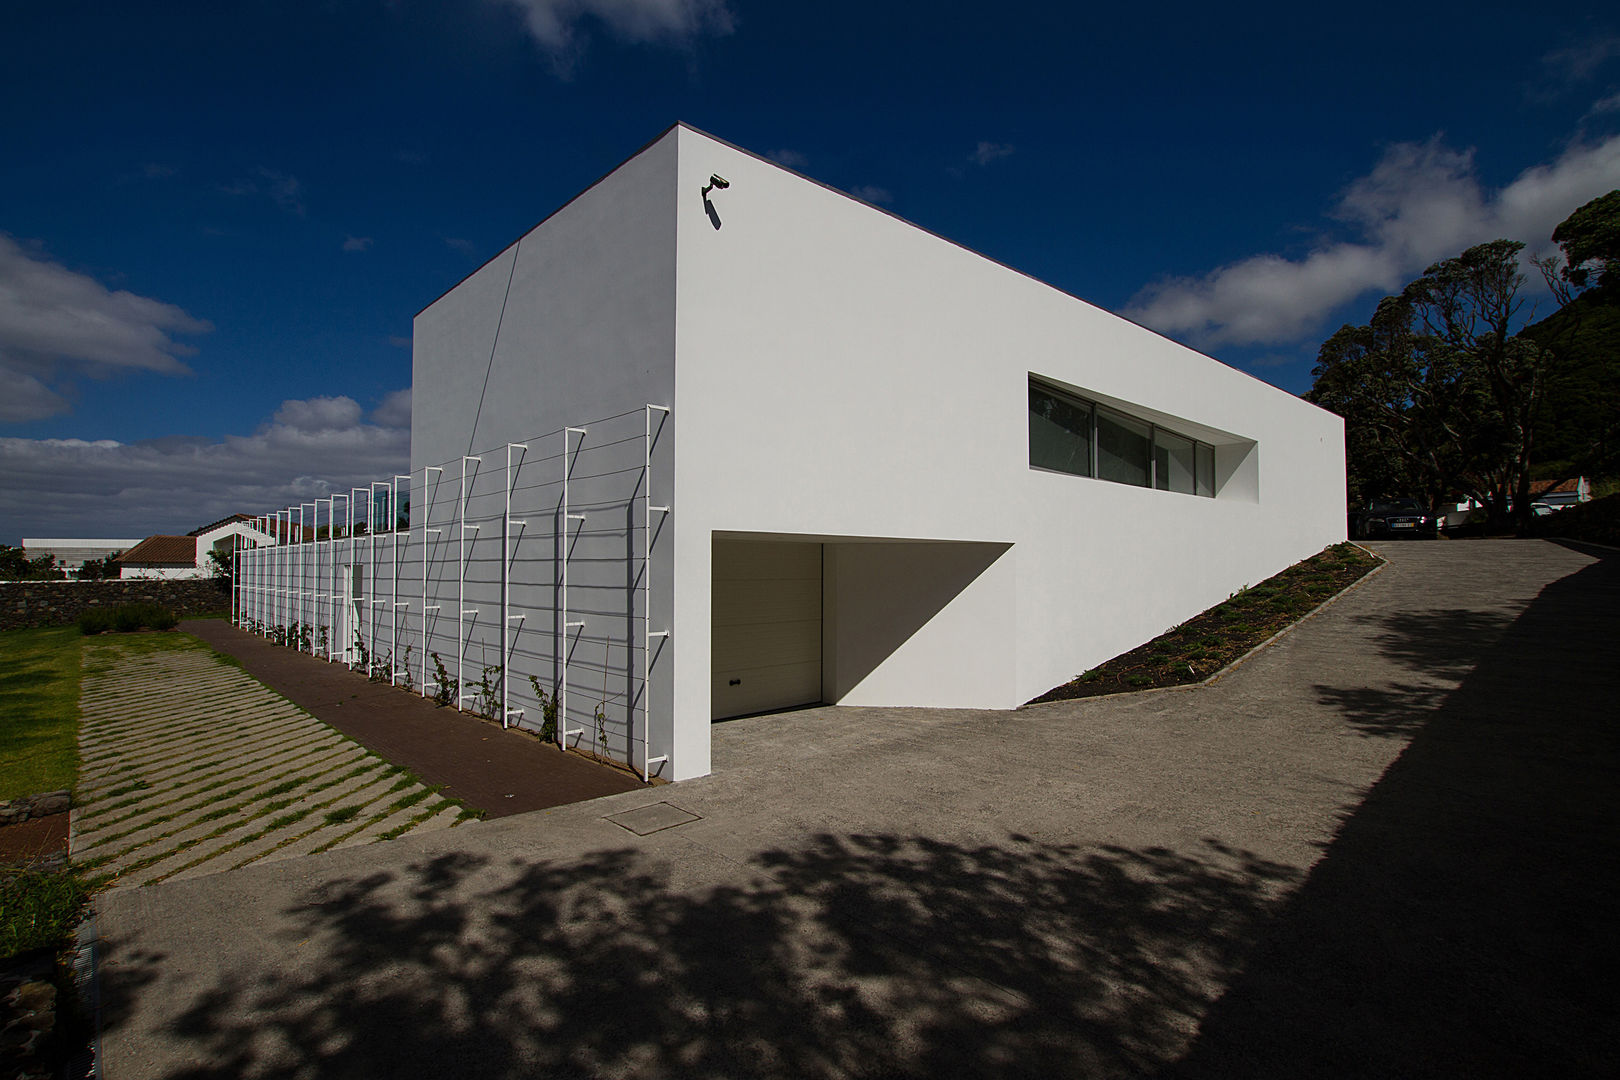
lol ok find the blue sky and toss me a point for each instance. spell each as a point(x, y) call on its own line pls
point(217, 220)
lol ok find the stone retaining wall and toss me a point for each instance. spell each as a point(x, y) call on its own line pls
point(30, 807)
point(57, 603)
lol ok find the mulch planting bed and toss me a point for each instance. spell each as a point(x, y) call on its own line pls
point(1206, 643)
point(30, 841)
point(498, 771)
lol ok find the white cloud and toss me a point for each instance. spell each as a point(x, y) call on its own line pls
point(556, 24)
point(394, 410)
point(789, 159)
point(57, 324)
point(986, 152)
point(318, 414)
point(1604, 105)
point(872, 194)
point(75, 487)
point(356, 243)
point(1580, 62)
point(1421, 203)
point(283, 189)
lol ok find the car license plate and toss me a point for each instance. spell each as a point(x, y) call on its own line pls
point(1402, 524)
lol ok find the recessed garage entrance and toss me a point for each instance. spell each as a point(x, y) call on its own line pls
point(766, 640)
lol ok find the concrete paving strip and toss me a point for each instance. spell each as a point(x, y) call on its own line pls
point(296, 816)
point(163, 796)
point(122, 746)
point(210, 768)
point(217, 759)
point(168, 823)
point(131, 808)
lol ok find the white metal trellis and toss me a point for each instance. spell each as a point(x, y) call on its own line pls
point(648, 633)
point(508, 555)
point(394, 672)
point(569, 450)
point(462, 610)
point(374, 599)
point(427, 534)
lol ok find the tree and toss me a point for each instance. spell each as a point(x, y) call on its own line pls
point(15, 565)
point(1400, 400)
point(1437, 394)
point(1470, 305)
point(98, 569)
point(1590, 238)
point(1580, 411)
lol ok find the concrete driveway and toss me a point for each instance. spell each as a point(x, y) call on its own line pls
point(1384, 846)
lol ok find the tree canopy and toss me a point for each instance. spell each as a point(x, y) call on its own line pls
point(1446, 390)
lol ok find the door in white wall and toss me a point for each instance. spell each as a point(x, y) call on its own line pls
point(766, 639)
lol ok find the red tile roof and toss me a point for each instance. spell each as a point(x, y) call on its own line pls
point(161, 551)
point(1546, 487)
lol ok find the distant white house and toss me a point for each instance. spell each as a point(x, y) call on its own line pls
point(715, 439)
point(188, 556)
point(71, 554)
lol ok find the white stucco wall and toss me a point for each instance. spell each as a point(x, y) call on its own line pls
point(161, 573)
point(841, 373)
point(571, 326)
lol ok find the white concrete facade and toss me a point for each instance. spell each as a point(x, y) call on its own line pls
point(72, 553)
point(835, 376)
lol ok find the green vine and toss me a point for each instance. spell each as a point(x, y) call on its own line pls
point(548, 710)
point(444, 691)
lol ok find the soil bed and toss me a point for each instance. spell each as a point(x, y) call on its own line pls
point(499, 771)
point(30, 841)
point(1204, 644)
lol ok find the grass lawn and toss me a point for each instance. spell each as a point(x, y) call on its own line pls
point(39, 700)
point(1204, 644)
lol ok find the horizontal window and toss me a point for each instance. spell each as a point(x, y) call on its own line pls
point(1069, 434)
point(1059, 432)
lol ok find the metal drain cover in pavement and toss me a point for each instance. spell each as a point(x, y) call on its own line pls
point(650, 819)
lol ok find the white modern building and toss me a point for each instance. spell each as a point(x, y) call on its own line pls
point(715, 439)
point(71, 553)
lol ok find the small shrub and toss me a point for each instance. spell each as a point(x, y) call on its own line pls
point(127, 618)
point(95, 621)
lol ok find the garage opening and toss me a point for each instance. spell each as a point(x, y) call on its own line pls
point(766, 639)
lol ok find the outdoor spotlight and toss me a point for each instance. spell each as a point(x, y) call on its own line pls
point(715, 181)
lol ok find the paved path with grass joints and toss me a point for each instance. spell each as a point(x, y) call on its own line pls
point(1382, 847)
point(188, 767)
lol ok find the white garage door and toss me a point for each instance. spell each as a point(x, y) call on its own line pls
point(766, 642)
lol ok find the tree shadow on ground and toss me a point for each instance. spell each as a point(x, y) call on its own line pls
point(855, 956)
point(1440, 647)
point(1461, 923)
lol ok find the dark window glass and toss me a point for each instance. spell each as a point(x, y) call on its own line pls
point(1122, 449)
point(1173, 463)
point(1206, 470)
point(1059, 432)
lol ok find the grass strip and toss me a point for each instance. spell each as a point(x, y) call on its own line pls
point(39, 909)
point(39, 699)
